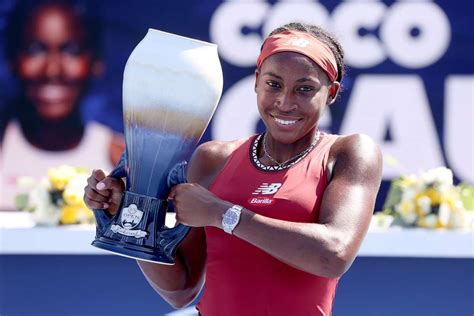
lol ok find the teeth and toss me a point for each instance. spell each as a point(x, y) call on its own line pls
point(284, 122)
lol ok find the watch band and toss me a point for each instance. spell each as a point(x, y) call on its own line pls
point(231, 218)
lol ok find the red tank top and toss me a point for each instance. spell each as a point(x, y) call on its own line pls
point(243, 280)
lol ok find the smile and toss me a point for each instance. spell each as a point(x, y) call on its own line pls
point(285, 122)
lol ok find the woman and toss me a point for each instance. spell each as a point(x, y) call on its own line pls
point(277, 218)
point(53, 49)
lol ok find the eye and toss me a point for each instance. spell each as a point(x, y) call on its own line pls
point(72, 48)
point(273, 84)
point(305, 89)
point(35, 48)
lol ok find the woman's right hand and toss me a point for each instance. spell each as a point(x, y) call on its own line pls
point(103, 192)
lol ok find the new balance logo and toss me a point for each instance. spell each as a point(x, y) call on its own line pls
point(296, 41)
point(266, 188)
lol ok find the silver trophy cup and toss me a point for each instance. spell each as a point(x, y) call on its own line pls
point(171, 88)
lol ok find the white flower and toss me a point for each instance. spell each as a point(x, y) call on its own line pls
point(430, 221)
point(409, 193)
point(407, 211)
point(424, 204)
point(458, 217)
point(45, 213)
point(25, 183)
point(381, 220)
point(441, 178)
point(444, 213)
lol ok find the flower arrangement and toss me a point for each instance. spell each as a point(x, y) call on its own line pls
point(57, 199)
point(428, 199)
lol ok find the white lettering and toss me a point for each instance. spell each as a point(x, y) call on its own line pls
point(412, 34)
point(237, 114)
point(127, 232)
point(459, 129)
point(306, 11)
point(351, 18)
point(399, 105)
point(416, 34)
point(226, 29)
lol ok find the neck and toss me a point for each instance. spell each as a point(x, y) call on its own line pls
point(52, 135)
point(285, 158)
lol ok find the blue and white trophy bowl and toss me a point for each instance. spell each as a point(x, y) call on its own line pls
point(171, 88)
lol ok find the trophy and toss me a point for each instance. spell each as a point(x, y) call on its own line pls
point(171, 87)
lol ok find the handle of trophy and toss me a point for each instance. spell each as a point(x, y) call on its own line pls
point(103, 220)
point(170, 238)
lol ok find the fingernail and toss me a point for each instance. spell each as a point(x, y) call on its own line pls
point(106, 205)
point(100, 186)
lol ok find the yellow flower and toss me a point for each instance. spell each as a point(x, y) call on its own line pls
point(74, 190)
point(73, 197)
point(408, 181)
point(60, 176)
point(73, 187)
point(75, 215)
point(434, 195)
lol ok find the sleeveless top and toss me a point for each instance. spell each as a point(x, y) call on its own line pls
point(243, 280)
point(19, 158)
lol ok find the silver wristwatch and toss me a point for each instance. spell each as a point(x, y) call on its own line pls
point(231, 218)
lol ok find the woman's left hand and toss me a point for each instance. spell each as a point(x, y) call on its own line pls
point(196, 206)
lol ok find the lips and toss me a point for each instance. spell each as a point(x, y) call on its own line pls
point(53, 93)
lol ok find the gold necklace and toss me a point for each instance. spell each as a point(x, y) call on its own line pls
point(296, 157)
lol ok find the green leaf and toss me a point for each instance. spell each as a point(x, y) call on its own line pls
point(467, 196)
point(21, 201)
point(394, 195)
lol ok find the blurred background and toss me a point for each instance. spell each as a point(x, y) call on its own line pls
point(409, 85)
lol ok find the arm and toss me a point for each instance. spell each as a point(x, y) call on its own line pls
point(181, 283)
point(178, 284)
point(329, 247)
point(326, 248)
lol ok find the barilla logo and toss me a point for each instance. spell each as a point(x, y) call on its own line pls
point(264, 189)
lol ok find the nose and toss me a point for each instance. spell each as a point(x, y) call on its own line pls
point(286, 102)
point(53, 65)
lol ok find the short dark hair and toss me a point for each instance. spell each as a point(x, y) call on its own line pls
point(24, 9)
point(324, 36)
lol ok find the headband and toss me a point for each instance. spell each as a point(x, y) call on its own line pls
point(303, 43)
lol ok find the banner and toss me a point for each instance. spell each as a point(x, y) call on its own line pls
point(409, 82)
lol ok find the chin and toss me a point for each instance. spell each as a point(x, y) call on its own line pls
point(55, 112)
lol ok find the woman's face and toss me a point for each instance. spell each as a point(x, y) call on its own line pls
point(54, 65)
point(292, 93)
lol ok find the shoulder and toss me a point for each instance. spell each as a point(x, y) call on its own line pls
point(209, 158)
point(355, 144)
point(356, 155)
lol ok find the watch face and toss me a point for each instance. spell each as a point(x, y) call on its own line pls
point(231, 218)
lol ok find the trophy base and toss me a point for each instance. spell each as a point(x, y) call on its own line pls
point(132, 251)
point(138, 230)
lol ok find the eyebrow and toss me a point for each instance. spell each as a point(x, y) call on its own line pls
point(269, 73)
